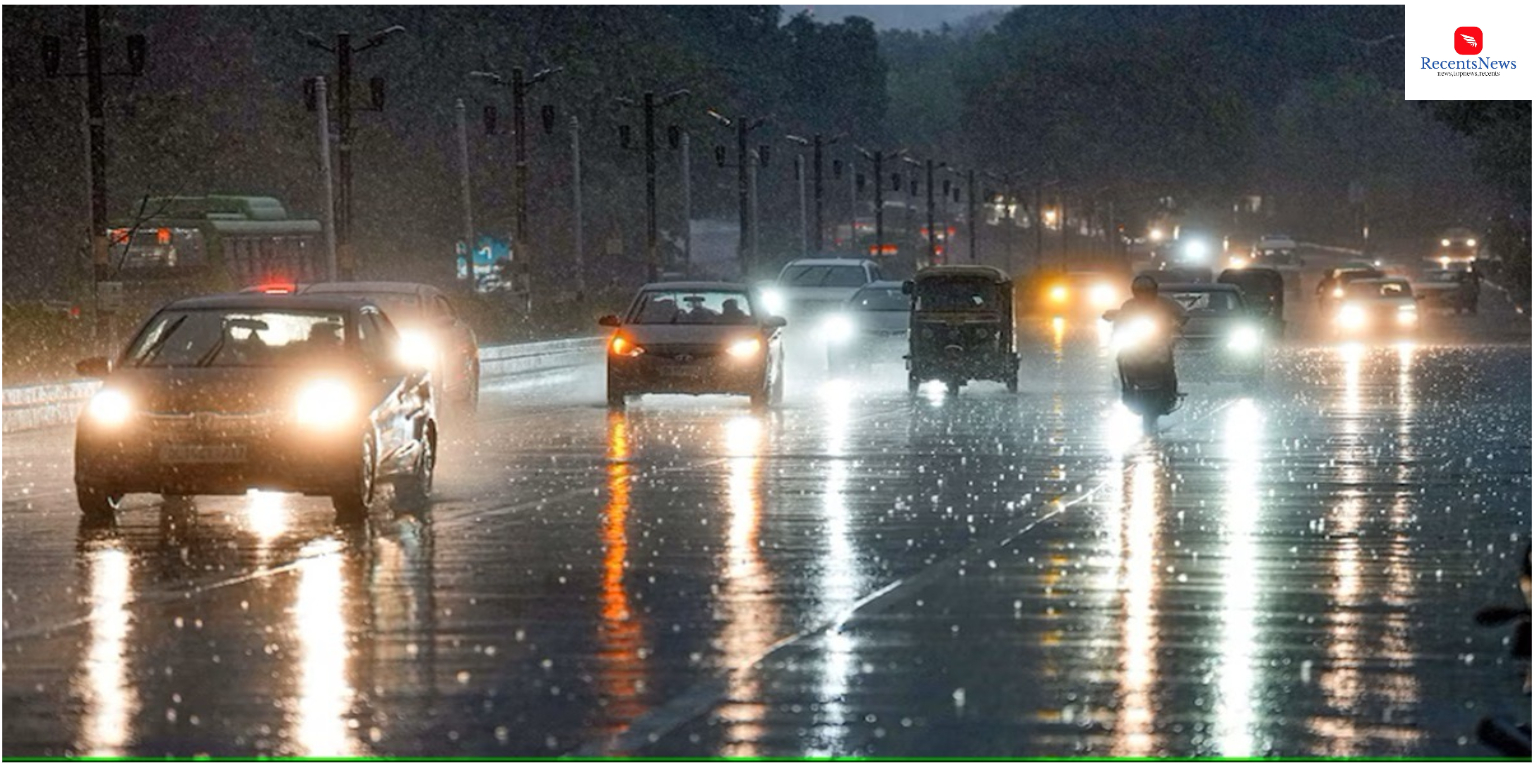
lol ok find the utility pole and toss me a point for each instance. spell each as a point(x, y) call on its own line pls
point(323, 111)
point(745, 177)
point(520, 83)
point(878, 158)
point(970, 212)
point(96, 149)
point(648, 105)
point(343, 50)
point(464, 189)
point(805, 242)
point(687, 170)
point(817, 144)
point(928, 166)
point(1039, 229)
point(581, 263)
point(752, 202)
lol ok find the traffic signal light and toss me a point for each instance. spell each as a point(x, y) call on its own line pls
point(52, 52)
point(547, 115)
point(674, 136)
point(490, 120)
point(137, 48)
point(376, 90)
point(720, 155)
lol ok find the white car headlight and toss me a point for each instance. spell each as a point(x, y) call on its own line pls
point(838, 329)
point(1245, 340)
point(745, 348)
point(417, 349)
point(1352, 317)
point(325, 403)
point(773, 301)
point(110, 407)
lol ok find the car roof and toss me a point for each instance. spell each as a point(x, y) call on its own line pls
point(1197, 288)
point(1380, 281)
point(270, 301)
point(890, 285)
point(694, 285)
point(367, 287)
point(962, 270)
point(824, 262)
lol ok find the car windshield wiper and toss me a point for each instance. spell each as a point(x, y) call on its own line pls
point(213, 352)
point(154, 348)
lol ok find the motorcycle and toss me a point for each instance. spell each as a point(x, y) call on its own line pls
point(1143, 346)
point(1504, 733)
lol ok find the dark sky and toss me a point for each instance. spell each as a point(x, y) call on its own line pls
point(914, 17)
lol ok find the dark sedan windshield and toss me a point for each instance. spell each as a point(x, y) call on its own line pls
point(215, 338)
point(692, 308)
point(1208, 302)
point(825, 276)
point(880, 300)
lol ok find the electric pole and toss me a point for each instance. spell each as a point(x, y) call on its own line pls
point(343, 51)
point(744, 126)
point(817, 145)
point(581, 262)
point(878, 158)
point(521, 249)
point(464, 190)
point(928, 166)
point(648, 104)
point(322, 110)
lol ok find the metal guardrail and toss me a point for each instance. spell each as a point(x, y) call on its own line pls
point(48, 405)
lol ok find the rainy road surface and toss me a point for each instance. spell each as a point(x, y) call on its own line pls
point(1286, 571)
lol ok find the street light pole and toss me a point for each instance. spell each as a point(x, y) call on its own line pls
point(648, 105)
point(745, 253)
point(686, 147)
point(464, 190)
point(520, 83)
point(581, 263)
point(878, 158)
point(970, 212)
point(322, 107)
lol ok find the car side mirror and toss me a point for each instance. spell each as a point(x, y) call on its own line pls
point(1111, 314)
point(774, 321)
point(95, 367)
point(608, 321)
point(906, 287)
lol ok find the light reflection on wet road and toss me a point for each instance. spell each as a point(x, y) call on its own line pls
point(1289, 571)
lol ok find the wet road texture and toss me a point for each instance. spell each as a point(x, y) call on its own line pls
point(1287, 570)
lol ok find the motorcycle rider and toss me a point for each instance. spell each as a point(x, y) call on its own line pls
point(1167, 313)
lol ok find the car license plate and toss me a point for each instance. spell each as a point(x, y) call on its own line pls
point(202, 454)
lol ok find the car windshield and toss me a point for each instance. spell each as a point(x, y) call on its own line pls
point(1390, 290)
point(955, 295)
point(824, 276)
point(1279, 258)
point(1208, 302)
point(1445, 276)
point(704, 307)
point(400, 307)
point(217, 338)
point(880, 300)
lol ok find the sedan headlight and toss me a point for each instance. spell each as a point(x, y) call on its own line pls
point(417, 349)
point(745, 348)
point(1351, 317)
point(773, 301)
point(110, 407)
point(1245, 340)
point(324, 403)
point(838, 329)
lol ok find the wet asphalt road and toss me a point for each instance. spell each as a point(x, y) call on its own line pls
point(1284, 571)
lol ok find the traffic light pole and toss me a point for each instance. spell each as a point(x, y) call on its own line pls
point(743, 192)
point(96, 125)
point(344, 255)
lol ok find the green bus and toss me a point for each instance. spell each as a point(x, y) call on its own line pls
point(184, 246)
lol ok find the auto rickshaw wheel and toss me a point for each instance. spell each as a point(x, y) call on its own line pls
point(1012, 382)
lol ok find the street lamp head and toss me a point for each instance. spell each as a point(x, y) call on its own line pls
point(722, 119)
point(798, 140)
point(674, 96)
point(543, 74)
point(494, 78)
point(314, 40)
point(379, 36)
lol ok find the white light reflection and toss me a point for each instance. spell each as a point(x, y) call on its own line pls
point(325, 696)
point(749, 621)
point(266, 514)
point(838, 583)
point(1241, 587)
point(621, 638)
point(110, 702)
point(1134, 731)
point(1340, 679)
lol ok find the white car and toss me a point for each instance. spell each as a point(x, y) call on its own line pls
point(1380, 307)
point(809, 288)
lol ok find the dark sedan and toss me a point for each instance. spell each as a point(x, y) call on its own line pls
point(222, 394)
point(1223, 336)
point(695, 338)
point(871, 328)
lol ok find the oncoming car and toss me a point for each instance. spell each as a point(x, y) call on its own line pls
point(223, 394)
point(810, 288)
point(1085, 294)
point(871, 328)
point(695, 338)
point(1223, 336)
point(431, 334)
point(1379, 307)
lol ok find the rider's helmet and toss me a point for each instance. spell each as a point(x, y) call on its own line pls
point(1144, 287)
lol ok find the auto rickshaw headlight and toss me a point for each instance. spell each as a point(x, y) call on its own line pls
point(1058, 294)
point(745, 348)
point(1407, 315)
point(110, 407)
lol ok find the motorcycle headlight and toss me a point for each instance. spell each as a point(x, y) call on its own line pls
point(1245, 340)
point(417, 349)
point(324, 403)
point(1134, 333)
point(838, 329)
point(773, 301)
point(110, 407)
point(1352, 317)
point(745, 348)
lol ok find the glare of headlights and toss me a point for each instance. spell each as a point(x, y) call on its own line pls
point(1102, 295)
point(110, 407)
point(1134, 333)
point(417, 349)
point(1155, 235)
point(1351, 317)
point(773, 301)
point(1238, 262)
point(1245, 339)
point(1445, 241)
point(837, 328)
point(1338, 293)
point(1195, 250)
point(1471, 243)
point(745, 348)
point(324, 403)
point(1058, 293)
point(1407, 315)
point(625, 347)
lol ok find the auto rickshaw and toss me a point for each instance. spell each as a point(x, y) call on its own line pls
point(961, 328)
point(1263, 290)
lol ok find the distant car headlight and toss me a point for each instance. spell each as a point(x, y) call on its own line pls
point(838, 329)
point(1195, 251)
point(325, 403)
point(1338, 293)
point(1238, 262)
point(110, 407)
point(1102, 295)
point(1407, 315)
point(417, 349)
point(1245, 340)
point(1058, 294)
point(745, 348)
point(773, 301)
point(624, 347)
point(1351, 317)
